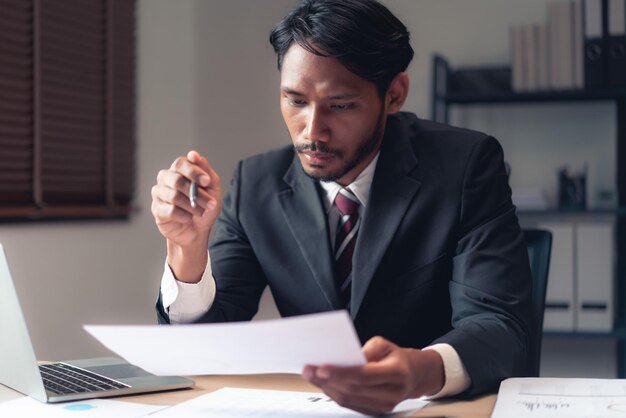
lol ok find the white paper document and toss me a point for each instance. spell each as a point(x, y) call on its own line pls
point(236, 403)
point(275, 346)
point(554, 397)
point(99, 408)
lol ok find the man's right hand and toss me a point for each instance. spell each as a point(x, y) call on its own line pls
point(185, 228)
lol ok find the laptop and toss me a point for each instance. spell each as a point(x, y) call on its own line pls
point(66, 380)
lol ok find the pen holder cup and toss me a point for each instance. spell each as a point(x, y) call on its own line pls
point(572, 191)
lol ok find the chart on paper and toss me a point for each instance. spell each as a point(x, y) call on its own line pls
point(554, 397)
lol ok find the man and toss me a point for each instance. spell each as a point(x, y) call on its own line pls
point(406, 223)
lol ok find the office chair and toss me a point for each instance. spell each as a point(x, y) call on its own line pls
point(539, 245)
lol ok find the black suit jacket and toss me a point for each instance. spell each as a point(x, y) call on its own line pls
point(440, 257)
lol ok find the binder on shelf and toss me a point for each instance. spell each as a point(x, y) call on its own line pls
point(616, 57)
point(595, 277)
point(566, 28)
point(554, 45)
point(578, 56)
point(517, 59)
point(560, 302)
point(561, 24)
point(543, 79)
point(530, 57)
point(595, 16)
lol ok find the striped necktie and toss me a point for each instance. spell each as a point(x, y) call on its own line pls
point(345, 241)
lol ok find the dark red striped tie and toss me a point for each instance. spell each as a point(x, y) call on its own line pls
point(345, 241)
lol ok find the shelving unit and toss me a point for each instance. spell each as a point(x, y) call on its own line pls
point(492, 85)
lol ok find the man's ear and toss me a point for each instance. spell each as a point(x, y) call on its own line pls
point(397, 92)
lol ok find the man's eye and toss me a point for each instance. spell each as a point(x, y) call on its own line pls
point(342, 106)
point(296, 102)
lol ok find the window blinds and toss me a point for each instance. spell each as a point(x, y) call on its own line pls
point(67, 108)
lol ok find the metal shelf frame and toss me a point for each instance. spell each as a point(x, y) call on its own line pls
point(442, 98)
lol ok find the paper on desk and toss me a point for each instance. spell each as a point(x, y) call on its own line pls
point(554, 397)
point(97, 408)
point(236, 403)
point(275, 346)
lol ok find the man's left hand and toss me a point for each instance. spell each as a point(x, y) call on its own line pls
point(391, 375)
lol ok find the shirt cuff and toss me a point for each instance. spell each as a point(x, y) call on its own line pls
point(186, 302)
point(457, 378)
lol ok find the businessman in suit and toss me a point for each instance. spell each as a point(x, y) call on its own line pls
point(406, 223)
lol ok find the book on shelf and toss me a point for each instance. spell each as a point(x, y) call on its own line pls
point(517, 59)
point(560, 53)
point(577, 45)
point(529, 55)
point(543, 66)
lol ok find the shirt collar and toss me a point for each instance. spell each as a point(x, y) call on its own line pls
point(360, 186)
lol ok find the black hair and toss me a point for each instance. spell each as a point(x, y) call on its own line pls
point(362, 34)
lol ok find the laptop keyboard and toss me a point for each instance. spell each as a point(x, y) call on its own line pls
point(63, 379)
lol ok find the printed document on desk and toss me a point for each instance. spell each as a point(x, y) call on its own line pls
point(275, 346)
point(554, 397)
point(249, 403)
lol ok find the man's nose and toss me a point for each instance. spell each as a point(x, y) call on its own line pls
point(316, 129)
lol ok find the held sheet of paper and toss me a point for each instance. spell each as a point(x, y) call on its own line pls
point(274, 346)
point(554, 397)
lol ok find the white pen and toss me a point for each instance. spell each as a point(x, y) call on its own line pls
point(193, 194)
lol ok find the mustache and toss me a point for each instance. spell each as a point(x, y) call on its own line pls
point(317, 147)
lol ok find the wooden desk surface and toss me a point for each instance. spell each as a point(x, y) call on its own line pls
point(478, 408)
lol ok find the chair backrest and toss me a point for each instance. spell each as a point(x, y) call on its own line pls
point(539, 244)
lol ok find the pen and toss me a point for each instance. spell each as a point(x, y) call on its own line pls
point(193, 194)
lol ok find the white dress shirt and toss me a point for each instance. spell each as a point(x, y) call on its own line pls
point(187, 302)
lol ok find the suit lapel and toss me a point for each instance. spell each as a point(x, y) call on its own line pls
point(305, 217)
point(393, 188)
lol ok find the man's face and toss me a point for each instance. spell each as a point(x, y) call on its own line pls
point(336, 119)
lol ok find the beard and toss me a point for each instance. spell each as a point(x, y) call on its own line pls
point(365, 149)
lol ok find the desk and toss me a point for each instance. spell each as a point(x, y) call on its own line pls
point(478, 408)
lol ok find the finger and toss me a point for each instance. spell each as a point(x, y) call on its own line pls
point(203, 163)
point(166, 212)
point(367, 399)
point(381, 392)
point(209, 197)
point(388, 377)
point(377, 348)
point(308, 372)
point(206, 199)
point(176, 198)
point(373, 373)
point(191, 172)
point(174, 180)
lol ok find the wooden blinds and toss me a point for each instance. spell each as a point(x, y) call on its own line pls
point(16, 102)
point(67, 108)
